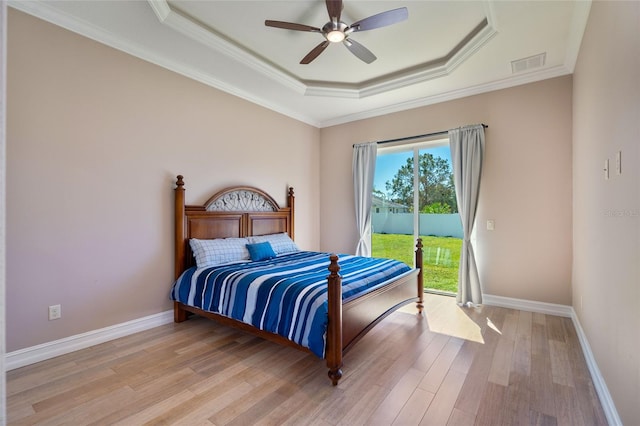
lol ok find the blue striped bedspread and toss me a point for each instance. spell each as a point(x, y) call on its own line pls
point(286, 295)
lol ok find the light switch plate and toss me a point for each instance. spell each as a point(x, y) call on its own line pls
point(55, 312)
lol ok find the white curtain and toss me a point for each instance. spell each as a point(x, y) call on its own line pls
point(364, 165)
point(467, 151)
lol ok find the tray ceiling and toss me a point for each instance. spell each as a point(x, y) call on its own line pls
point(445, 50)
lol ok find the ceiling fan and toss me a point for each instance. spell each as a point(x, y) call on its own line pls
point(336, 31)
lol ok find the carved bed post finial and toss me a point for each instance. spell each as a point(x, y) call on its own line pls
point(420, 302)
point(334, 328)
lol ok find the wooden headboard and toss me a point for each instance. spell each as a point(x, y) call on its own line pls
point(239, 211)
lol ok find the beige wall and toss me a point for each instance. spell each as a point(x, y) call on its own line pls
point(95, 140)
point(3, 204)
point(606, 220)
point(526, 184)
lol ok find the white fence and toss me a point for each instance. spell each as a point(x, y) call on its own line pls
point(440, 225)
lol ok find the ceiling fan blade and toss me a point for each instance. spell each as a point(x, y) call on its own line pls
point(315, 52)
point(360, 51)
point(334, 7)
point(380, 20)
point(291, 26)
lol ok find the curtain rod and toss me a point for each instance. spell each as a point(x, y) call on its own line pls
point(426, 135)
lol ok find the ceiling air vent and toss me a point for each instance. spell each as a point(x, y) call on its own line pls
point(525, 64)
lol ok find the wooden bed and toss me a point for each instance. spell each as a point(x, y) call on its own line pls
point(247, 211)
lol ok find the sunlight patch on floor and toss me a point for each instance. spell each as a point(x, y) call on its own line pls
point(444, 316)
point(492, 326)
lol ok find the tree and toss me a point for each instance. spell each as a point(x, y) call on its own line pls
point(435, 183)
point(437, 208)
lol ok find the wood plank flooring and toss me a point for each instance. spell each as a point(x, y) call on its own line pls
point(453, 366)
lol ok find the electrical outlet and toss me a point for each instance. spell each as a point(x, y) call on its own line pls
point(55, 312)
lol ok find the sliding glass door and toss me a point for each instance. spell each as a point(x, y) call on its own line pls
point(414, 197)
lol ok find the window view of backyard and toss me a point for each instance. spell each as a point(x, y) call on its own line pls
point(413, 197)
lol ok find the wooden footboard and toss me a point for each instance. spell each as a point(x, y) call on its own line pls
point(351, 320)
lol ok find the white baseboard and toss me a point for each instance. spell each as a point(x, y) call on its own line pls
point(31, 355)
point(598, 381)
point(566, 311)
point(528, 305)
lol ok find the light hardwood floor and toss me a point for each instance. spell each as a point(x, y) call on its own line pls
point(453, 366)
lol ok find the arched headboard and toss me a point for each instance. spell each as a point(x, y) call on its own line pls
point(239, 211)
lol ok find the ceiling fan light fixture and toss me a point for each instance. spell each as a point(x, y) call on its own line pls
point(335, 36)
point(336, 31)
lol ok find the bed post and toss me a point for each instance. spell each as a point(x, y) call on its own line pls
point(334, 329)
point(420, 302)
point(290, 203)
point(179, 314)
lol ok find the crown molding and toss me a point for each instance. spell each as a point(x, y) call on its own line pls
point(440, 68)
point(426, 74)
point(47, 11)
point(199, 32)
point(505, 83)
point(207, 36)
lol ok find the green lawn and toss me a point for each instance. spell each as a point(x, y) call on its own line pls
point(441, 257)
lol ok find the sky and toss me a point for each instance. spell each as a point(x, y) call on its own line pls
point(388, 164)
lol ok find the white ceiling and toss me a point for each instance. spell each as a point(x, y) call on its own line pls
point(445, 50)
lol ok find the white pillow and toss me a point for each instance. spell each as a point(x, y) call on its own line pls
point(219, 250)
point(281, 243)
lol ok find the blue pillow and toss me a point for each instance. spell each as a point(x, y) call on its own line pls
point(261, 251)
